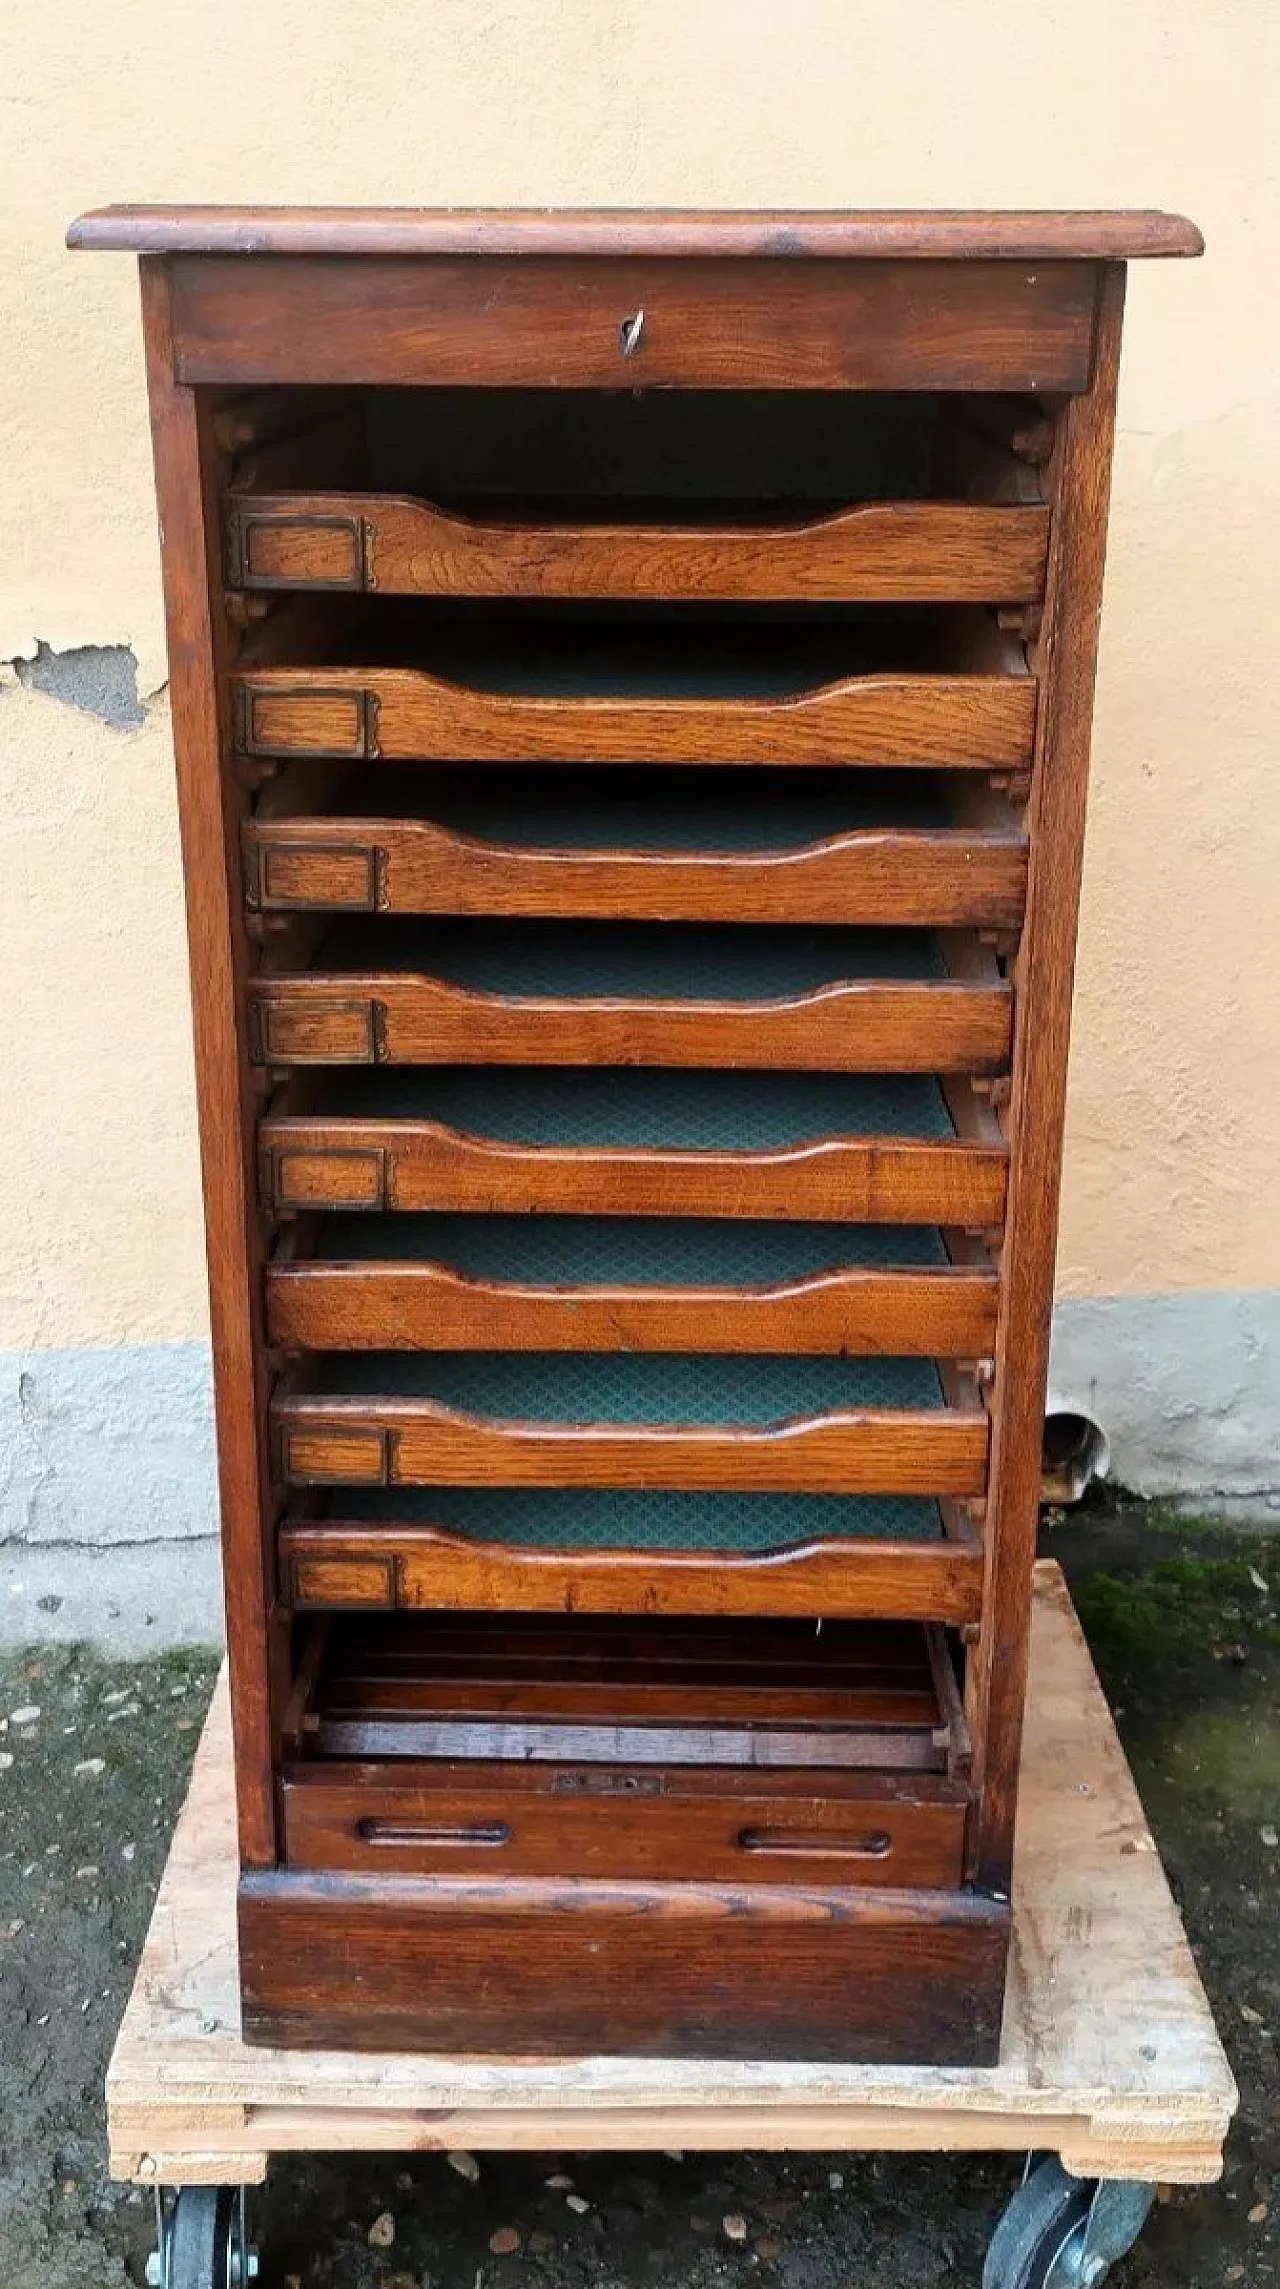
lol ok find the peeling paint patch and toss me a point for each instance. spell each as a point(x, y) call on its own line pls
point(101, 679)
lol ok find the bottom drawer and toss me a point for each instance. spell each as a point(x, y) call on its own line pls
point(624, 1823)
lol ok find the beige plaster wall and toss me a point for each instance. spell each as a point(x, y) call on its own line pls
point(1175, 1101)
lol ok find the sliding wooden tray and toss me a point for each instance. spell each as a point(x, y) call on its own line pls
point(575, 1283)
point(521, 1549)
point(542, 993)
point(730, 847)
point(898, 551)
point(896, 691)
point(881, 1149)
point(757, 1425)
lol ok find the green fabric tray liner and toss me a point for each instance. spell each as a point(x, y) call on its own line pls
point(631, 960)
point(624, 1107)
point(631, 1387)
point(705, 810)
point(590, 1519)
point(608, 1250)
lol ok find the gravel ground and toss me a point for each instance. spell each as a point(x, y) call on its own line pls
point(93, 1762)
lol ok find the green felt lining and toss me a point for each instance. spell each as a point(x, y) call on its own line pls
point(543, 1518)
point(631, 1387)
point(631, 960)
point(604, 1250)
point(683, 1111)
point(710, 809)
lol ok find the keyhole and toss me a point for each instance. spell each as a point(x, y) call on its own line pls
point(629, 333)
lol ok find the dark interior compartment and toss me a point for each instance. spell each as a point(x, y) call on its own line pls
point(583, 1690)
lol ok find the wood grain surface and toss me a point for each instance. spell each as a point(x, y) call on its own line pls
point(929, 722)
point(719, 1826)
point(210, 813)
point(1016, 234)
point(902, 551)
point(321, 1305)
point(1080, 481)
point(859, 1026)
point(414, 866)
point(657, 1969)
point(341, 1161)
point(915, 324)
point(330, 1564)
point(364, 1442)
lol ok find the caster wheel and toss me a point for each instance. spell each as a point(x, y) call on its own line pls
point(1039, 2241)
point(202, 2242)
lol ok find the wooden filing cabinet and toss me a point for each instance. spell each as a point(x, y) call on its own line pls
point(631, 683)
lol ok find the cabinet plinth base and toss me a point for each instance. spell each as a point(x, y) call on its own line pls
point(660, 1970)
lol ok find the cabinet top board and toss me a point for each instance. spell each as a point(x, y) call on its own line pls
point(1116, 235)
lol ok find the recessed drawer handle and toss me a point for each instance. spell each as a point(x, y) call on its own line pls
point(408, 1833)
point(813, 1843)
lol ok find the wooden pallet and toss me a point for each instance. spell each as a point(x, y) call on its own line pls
point(1110, 2057)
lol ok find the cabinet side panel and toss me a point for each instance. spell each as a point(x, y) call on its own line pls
point(1067, 656)
point(191, 575)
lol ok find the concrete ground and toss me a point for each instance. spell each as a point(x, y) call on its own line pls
point(93, 1762)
